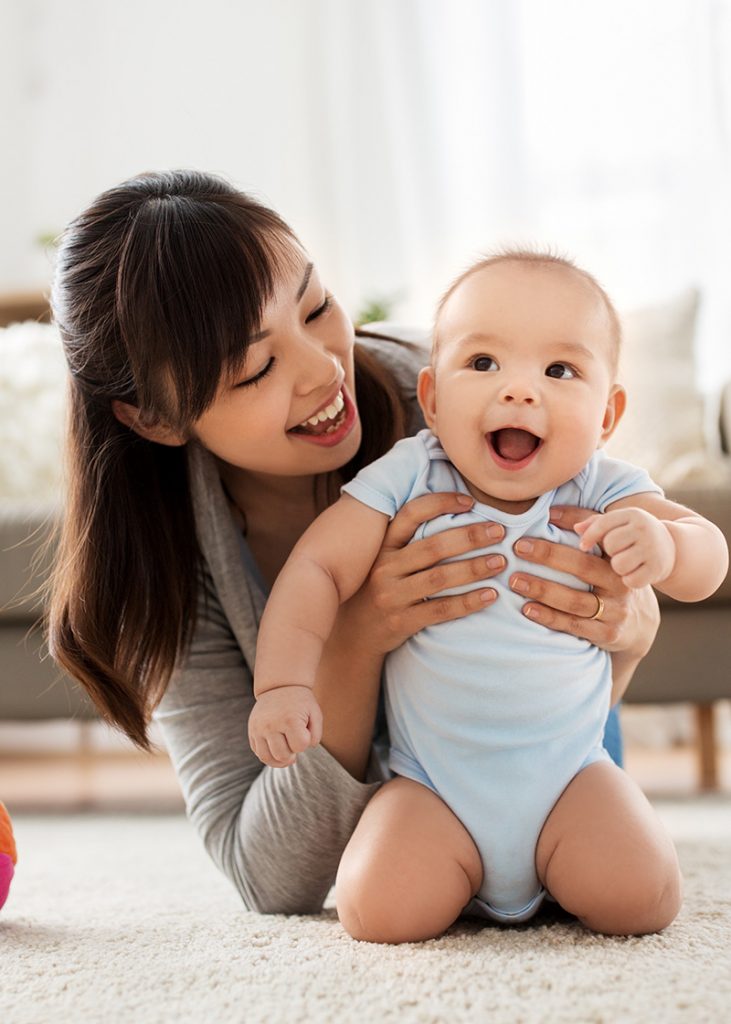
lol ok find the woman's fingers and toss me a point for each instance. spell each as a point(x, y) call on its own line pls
point(592, 569)
point(567, 516)
point(411, 619)
point(449, 544)
point(431, 581)
point(578, 603)
point(597, 631)
point(414, 513)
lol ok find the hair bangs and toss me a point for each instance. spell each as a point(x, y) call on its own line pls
point(206, 271)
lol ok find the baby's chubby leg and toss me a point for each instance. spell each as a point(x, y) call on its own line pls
point(409, 868)
point(606, 857)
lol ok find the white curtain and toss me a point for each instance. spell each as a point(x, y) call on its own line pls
point(601, 129)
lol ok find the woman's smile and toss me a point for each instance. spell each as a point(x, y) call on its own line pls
point(331, 424)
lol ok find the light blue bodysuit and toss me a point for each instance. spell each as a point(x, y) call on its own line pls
point(494, 712)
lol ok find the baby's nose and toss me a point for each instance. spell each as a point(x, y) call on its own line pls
point(520, 391)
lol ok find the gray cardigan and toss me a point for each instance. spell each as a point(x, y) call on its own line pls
point(276, 833)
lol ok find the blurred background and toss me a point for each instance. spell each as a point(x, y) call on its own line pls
point(399, 138)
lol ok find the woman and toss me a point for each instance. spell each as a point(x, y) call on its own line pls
point(217, 402)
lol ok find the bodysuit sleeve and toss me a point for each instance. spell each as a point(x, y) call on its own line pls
point(605, 480)
point(390, 481)
point(276, 833)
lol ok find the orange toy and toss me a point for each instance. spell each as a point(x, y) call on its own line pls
point(8, 854)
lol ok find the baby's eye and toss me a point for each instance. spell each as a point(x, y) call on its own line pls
point(560, 371)
point(484, 364)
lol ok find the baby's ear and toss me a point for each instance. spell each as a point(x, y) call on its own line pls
point(426, 394)
point(616, 404)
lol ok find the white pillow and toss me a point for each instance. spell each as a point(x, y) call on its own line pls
point(32, 400)
point(663, 425)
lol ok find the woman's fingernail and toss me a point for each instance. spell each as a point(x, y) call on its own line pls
point(521, 585)
point(556, 514)
point(488, 595)
point(495, 561)
point(524, 547)
point(494, 531)
point(465, 499)
point(532, 611)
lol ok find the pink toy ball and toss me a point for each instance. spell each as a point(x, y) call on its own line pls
point(6, 876)
point(8, 855)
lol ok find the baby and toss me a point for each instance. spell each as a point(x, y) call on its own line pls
point(494, 713)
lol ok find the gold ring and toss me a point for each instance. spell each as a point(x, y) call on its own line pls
point(599, 608)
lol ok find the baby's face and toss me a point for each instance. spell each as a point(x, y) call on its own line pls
point(521, 390)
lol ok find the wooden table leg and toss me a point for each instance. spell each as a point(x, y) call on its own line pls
point(707, 747)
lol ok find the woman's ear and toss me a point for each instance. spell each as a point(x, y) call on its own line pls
point(616, 404)
point(426, 394)
point(156, 431)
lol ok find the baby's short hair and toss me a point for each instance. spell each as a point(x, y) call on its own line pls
point(538, 258)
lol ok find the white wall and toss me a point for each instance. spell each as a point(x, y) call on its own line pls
point(397, 136)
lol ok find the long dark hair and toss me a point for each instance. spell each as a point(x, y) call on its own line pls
point(156, 286)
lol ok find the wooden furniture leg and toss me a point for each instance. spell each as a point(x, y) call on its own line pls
point(707, 747)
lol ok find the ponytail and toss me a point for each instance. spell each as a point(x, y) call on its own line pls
point(123, 588)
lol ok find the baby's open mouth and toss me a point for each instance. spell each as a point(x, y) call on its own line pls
point(513, 444)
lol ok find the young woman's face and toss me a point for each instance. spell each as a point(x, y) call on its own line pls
point(298, 368)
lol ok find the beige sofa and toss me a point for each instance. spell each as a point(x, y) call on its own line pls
point(691, 659)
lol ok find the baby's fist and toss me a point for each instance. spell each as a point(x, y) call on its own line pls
point(283, 723)
point(640, 547)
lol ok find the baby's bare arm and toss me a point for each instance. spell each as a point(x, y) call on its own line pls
point(652, 540)
point(326, 567)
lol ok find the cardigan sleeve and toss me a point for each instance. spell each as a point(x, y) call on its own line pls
point(276, 833)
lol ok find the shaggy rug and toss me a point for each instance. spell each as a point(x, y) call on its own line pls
point(123, 918)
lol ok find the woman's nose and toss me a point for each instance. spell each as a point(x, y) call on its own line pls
point(319, 367)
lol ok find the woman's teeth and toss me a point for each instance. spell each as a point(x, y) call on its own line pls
point(327, 414)
point(331, 412)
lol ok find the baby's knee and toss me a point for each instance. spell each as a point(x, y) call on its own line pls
point(364, 918)
point(384, 906)
point(372, 913)
point(644, 903)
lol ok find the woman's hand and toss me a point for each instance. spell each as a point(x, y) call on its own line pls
point(392, 604)
point(628, 619)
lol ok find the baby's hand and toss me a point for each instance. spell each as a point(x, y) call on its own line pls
point(640, 548)
point(283, 723)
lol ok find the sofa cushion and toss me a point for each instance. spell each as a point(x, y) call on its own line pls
point(663, 426)
point(32, 399)
point(24, 559)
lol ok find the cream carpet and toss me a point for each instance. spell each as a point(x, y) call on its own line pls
point(123, 918)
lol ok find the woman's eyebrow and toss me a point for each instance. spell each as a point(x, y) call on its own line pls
point(300, 292)
point(305, 281)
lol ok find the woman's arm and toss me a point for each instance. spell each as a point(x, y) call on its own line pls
point(277, 835)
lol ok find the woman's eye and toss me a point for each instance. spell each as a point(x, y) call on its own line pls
point(483, 364)
point(560, 371)
point(320, 309)
point(257, 376)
